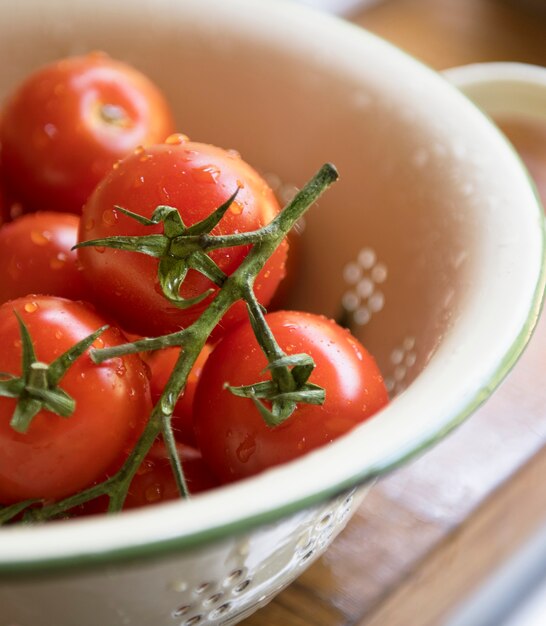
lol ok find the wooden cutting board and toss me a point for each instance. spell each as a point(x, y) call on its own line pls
point(431, 531)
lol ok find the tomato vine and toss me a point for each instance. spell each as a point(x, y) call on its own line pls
point(180, 248)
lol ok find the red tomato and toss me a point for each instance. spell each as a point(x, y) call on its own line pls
point(154, 481)
point(196, 179)
point(162, 364)
point(66, 125)
point(36, 256)
point(59, 456)
point(231, 433)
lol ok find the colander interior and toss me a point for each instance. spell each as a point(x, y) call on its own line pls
point(430, 244)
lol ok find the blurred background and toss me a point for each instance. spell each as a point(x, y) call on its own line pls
point(458, 537)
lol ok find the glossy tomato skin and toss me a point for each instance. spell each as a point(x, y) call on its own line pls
point(232, 435)
point(161, 365)
point(196, 179)
point(65, 126)
point(58, 456)
point(36, 256)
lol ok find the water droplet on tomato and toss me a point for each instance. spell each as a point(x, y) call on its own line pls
point(138, 150)
point(176, 139)
point(121, 370)
point(98, 343)
point(290, 327)
point(90, 224)
point(30, 307)
point(236, 208)
point(116, 165)
point(234, 154)
point(138, 181)
point(207, 174)
point(99, 249)
point(40, 238)
point(246, 449)
point(58, 334)
point(57, 262)
point(153, 493)
point(110, 217)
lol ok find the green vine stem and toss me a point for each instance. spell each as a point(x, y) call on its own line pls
point(289, 374)
point(192, 339)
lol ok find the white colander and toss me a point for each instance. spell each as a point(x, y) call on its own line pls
point(432, 241)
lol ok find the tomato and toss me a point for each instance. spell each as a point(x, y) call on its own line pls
point(154, 481)
point(58, 456)
point(161, 364)
point(231, 433)
point(65, 126)
point(196, 179)
point(36, 256)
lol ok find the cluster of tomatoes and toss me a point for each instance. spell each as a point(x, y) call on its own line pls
point(79, 139)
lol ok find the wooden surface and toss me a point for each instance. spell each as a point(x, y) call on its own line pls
point(428, 533)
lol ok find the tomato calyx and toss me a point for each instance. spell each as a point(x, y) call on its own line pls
point(179, 249)
point(38, 388)
point(114, 115)
point(283, 401)
point(289, 374)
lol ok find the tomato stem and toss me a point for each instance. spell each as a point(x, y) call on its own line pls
point(170, 443)
point(7, 513)
point(147, 344)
